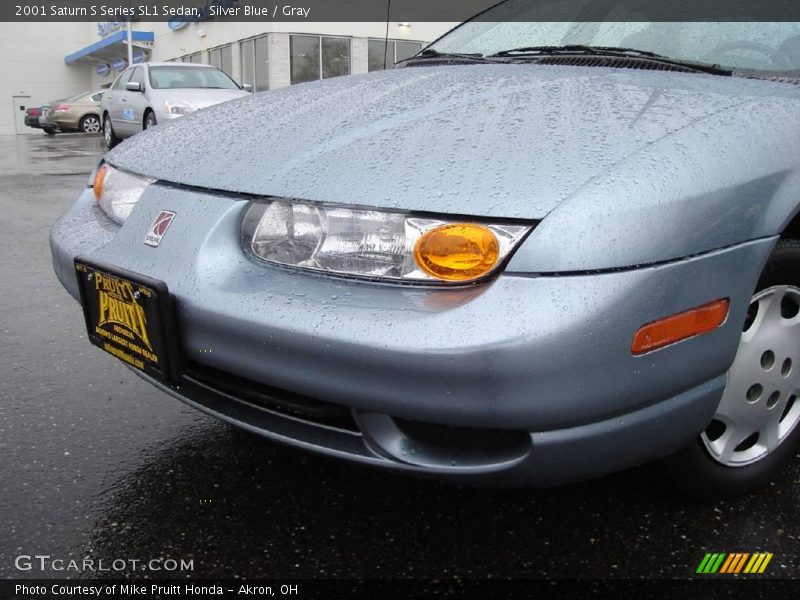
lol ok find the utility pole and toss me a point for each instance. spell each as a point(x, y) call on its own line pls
point(130, 42)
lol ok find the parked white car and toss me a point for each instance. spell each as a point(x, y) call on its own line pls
point(146, 94)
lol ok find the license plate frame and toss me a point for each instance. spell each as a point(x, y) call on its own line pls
point(130, 316)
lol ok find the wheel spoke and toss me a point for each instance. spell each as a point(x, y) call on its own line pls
point(725, 446)
point(765, 312)
point(770, 434)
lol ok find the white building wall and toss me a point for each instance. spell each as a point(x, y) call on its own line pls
point(359, 55)
point(33, 65)
point(279, 68)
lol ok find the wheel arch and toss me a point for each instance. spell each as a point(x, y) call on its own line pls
point(146, 112)
point(791, 229)
point(91, 114)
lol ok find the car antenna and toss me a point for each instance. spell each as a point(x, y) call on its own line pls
point(386, 37)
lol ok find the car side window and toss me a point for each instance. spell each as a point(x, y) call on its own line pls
point(97, 97)
point(123, 79)
point(138, 76)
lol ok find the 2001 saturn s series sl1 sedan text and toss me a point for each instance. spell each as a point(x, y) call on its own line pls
point(529, 256)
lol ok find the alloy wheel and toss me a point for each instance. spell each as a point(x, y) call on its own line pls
point(759, 407)
point(91, 125)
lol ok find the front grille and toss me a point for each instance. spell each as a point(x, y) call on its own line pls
point(273, 398)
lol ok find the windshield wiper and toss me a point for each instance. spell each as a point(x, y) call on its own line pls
point(435, 54)
point(612, 52)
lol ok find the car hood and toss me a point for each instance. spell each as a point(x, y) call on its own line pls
point(493, 140)
point(199, 97)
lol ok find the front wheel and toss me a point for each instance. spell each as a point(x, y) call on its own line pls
point(754, 432)
point(150, 120)
point(108, 132)
point(49, 130)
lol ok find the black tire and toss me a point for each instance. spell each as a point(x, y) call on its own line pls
point(90, 124)
point(49, 130)
point(693, 469)
point(149, 120)
point(108, 132)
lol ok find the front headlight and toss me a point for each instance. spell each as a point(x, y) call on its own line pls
point(178, 108)
point(377, 244)
point(117, 191)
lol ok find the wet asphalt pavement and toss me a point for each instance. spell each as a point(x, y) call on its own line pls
point(95, 463)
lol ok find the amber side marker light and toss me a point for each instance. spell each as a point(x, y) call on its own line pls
point(457, 252)
point(672, 329)
point(97, 184)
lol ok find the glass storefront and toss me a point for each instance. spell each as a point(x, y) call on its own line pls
point(318, 57)
point(311, 57)
point(304, 56)
point(255, 63)
point(396, 50)
point(222, 58)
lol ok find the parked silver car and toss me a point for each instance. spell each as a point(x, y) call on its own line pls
point(147, 94)
point(534, 254)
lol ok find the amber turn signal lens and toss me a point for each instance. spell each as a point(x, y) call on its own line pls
point(97, 184)
point(457, 252)
point(681, 326)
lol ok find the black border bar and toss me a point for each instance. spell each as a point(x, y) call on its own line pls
point(178, 11)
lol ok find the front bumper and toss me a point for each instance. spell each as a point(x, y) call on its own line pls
point(543, 360)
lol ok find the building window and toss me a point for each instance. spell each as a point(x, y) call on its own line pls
point(222, 58)
point(396, 50)
point(262, 64)
point(375, 55)
point(197, 57)
point(247, 63)
point(404, 50)
point(304, 52)
point(315, 57)
point(335, 57)
point(255, 63)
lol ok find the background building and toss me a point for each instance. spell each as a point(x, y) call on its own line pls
point(49, 61)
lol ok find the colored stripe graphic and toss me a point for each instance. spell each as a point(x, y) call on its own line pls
point(735, 562)
point(766, 562)
point(711, 562)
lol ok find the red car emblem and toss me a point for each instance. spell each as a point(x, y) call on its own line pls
point(159, 228)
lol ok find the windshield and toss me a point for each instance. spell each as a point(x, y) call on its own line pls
point(179, 77)
point(736, 45)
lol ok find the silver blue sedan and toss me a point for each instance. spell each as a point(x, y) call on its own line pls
point(538, 252)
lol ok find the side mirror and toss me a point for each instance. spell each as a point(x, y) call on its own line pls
point(134, 86)
point(247, 87)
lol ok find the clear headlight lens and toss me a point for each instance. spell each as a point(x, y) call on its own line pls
point(372, 243)
point(117, 192)
point(178, 108)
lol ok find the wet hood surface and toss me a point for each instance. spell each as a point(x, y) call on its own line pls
point(494, 140)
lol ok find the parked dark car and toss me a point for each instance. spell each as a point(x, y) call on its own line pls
point(32, 117)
